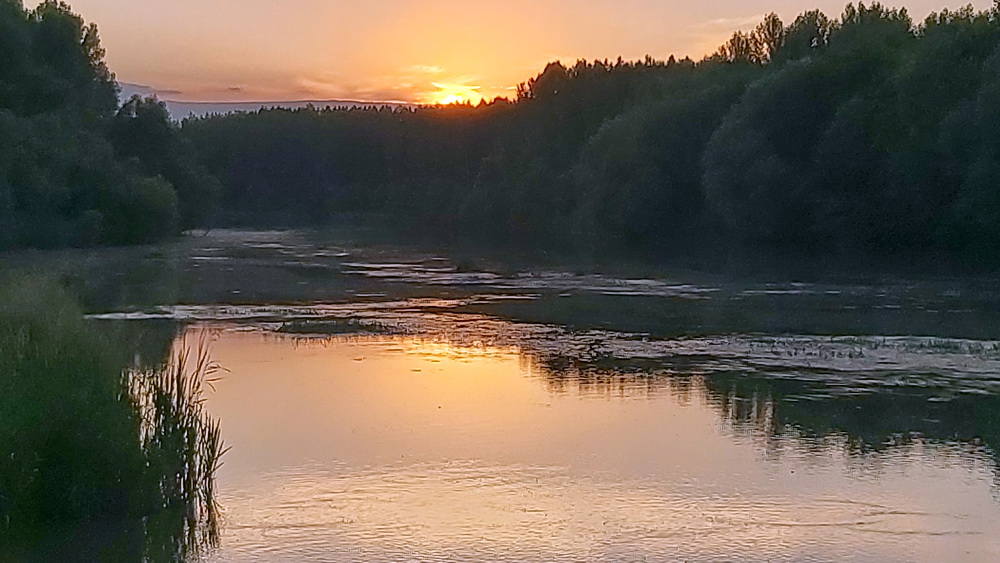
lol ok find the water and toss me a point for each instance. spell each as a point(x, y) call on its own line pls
point(392, 404)
point(381, 449)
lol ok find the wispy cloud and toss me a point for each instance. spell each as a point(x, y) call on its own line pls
point(708, 35)
point(443, 85)
point(425, 69)
point(732, 24)
point(412, 84)
point(130, 89)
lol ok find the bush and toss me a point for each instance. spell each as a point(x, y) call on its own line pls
point(141, 212)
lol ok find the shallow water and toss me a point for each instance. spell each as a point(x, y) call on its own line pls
point(387, 403)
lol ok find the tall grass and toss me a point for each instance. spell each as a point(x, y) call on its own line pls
point(84, 441)
point(181, 443)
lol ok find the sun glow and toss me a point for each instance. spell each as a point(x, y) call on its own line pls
point(455, 94)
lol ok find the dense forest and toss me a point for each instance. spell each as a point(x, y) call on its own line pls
point(77, 167)
point(862, 134)
point(866, 133)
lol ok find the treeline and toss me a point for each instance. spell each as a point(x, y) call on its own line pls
point(76, 168)
point(864, 133)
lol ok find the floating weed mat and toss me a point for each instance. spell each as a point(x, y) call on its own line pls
point(337, 327)
point(181, 443)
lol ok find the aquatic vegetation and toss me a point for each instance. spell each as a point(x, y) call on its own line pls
point(89, 445)
point(338, 326)
point(181, 443)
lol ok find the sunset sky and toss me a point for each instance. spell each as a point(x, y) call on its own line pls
point(405, 50)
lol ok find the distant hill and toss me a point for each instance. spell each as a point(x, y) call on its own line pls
point(180, 110)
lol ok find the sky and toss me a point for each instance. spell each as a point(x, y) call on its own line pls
point(424, 51)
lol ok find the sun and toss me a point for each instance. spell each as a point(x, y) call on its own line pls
point(455, 94)
point(452, 99)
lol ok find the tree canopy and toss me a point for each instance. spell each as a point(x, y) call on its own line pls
point(861, 133)
point(75, 168)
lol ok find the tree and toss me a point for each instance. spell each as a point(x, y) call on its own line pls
point(768, 38)
point(808, 33)
point(546, 84)
point(72, 59)
point(71, 162)
point(740, 48)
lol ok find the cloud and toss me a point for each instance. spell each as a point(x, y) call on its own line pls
point(140, 88)
point(733, 24)
point(425, 69)
point(414, 84)
point(129, 89)
point(708, 35)
point(383, 89)
point(444, 85)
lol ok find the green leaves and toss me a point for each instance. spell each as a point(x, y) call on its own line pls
point(74, 168)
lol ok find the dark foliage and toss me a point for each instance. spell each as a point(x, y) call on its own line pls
point(86, 444)
point(865, 133)
point(75, 169)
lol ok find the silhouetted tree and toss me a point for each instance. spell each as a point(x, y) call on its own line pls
point(739, 49)
point(71, 162)
point(808, 33)
point(768, 38)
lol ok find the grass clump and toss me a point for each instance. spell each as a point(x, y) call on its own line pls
point(88, 445)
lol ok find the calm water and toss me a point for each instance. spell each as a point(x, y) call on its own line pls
point(386, 404)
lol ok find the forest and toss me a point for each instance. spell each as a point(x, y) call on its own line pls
point(863, 134)
point(78, 168)
point(867, 133)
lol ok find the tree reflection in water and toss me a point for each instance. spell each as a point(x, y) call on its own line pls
point(817, 411)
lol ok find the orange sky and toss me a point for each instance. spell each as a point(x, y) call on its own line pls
point(406, 50)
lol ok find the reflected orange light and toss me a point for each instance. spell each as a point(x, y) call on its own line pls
point(431, 349)
point(425, 447)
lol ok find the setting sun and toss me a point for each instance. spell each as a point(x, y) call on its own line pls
point(455, 94)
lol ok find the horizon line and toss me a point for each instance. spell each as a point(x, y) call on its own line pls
point(306, 101)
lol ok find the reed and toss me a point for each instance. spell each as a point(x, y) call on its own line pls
point(180, 441)
point(88, 443)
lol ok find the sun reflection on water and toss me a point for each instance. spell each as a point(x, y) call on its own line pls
point(384, 448)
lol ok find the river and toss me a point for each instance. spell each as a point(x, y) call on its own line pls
point(393, 403)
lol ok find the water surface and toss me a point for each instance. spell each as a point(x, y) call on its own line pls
point(387, 403)
point(381, 449)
